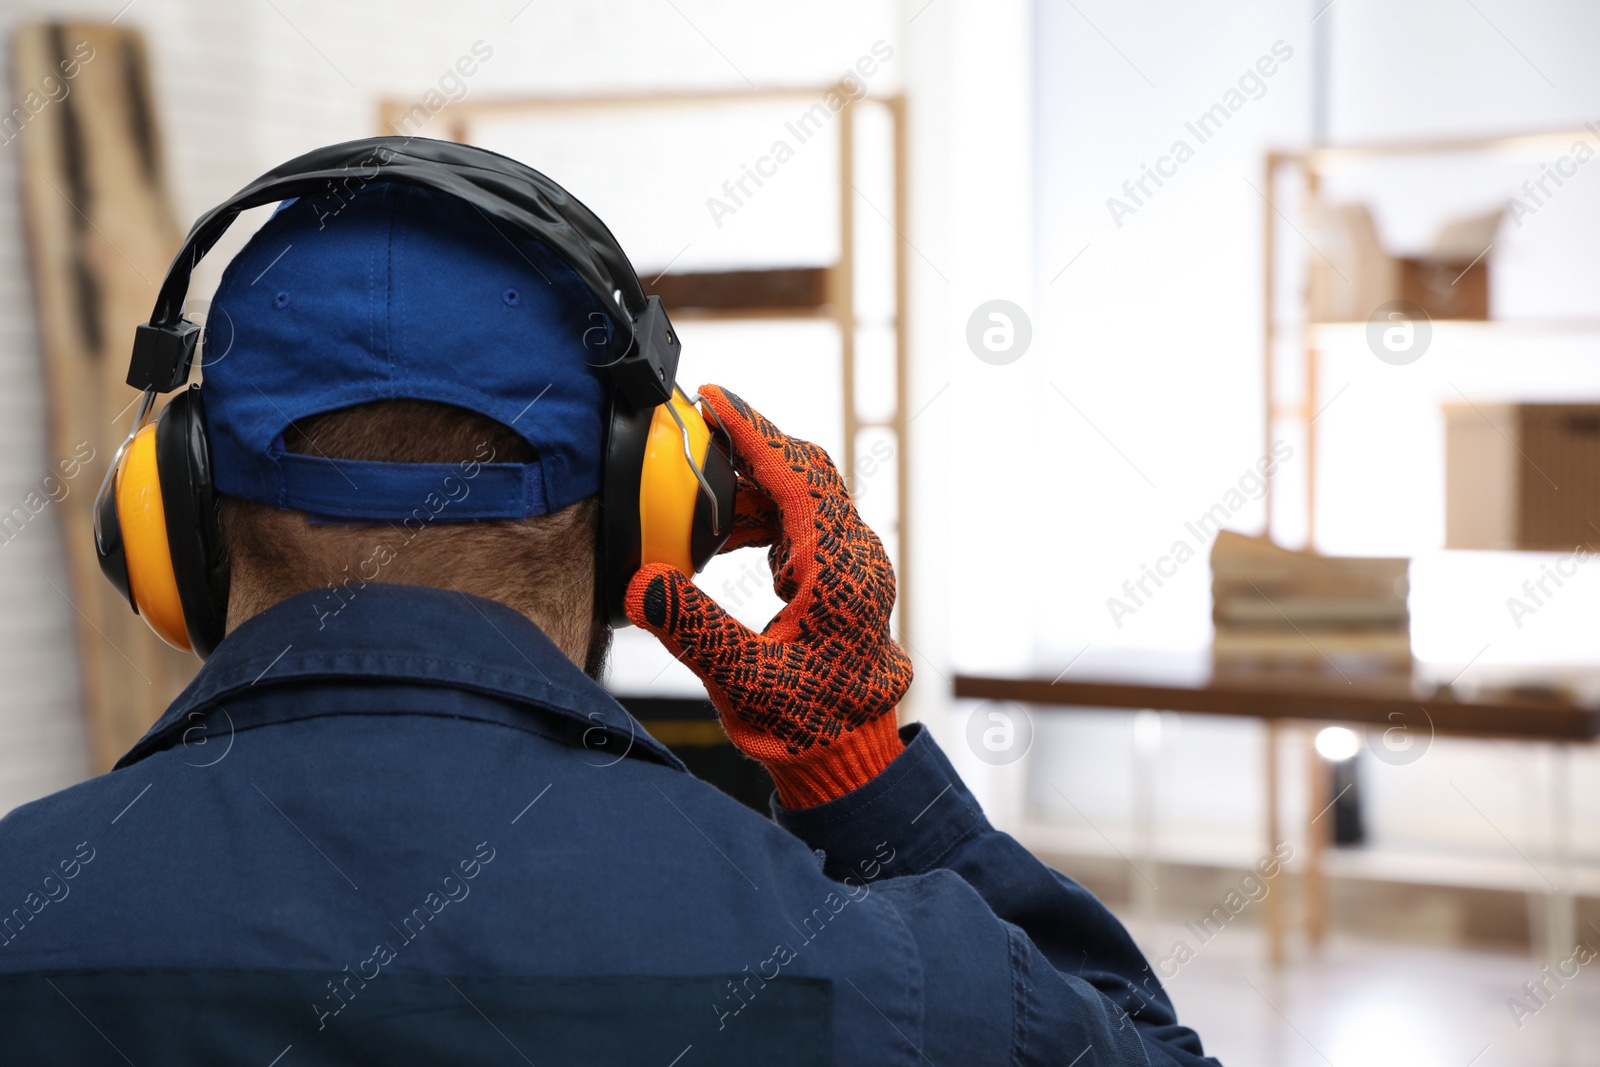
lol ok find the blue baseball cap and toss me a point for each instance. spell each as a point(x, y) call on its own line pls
point(402, 292)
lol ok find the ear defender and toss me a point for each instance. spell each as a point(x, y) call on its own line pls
point(157, 535)
point(667, 483)
point(667, 498)
point(139, 522)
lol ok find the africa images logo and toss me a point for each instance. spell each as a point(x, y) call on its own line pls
point(1399, 332)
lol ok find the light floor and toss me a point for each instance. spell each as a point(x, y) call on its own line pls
point(1367, 1003)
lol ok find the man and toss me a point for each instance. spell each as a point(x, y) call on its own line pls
point(395, 819)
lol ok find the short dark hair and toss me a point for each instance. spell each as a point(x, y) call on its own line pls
point(543, 566)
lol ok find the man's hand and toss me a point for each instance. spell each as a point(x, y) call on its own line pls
point(812, 696)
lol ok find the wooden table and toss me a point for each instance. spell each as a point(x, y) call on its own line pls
point(1562, 708)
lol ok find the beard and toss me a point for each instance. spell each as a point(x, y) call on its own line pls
point(597, 658)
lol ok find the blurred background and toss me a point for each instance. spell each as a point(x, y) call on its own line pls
point(1224, 379)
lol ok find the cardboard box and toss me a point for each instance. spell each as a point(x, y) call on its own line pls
point(1446, 288)
point(1522, 476)
point(1350, 274)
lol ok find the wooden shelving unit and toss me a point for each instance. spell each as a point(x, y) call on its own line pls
point(1313, 336)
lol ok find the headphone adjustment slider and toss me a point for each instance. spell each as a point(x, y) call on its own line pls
point(162, 356)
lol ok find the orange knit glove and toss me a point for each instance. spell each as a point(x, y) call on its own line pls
point(755, 517)
point(812, 696)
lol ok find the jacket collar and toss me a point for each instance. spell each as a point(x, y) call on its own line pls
point(385, 634)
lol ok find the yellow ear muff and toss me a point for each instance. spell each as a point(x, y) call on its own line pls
point(668, 489)
point(151, 583)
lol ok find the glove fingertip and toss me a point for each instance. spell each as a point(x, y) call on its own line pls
point(715, 393)
point(729, 409)
point(653, 598)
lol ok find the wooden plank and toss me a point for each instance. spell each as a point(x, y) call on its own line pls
point(1291, 695)
point(1311, 386)
point(1533, 142)
point(1319, 835)
point(844, 288)
point(747, 292)
point(392, 111)
point(101, 231)
point(1269, 340)
point(1276, 917)
point(902, 373)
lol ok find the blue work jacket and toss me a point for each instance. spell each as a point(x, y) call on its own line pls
point(415, 832)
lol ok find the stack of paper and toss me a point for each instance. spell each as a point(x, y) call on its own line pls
point(1275, 606)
